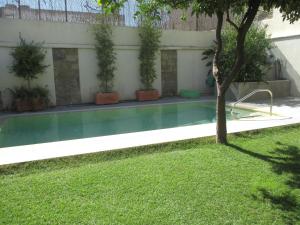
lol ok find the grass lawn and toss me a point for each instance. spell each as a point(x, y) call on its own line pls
point(254, 180)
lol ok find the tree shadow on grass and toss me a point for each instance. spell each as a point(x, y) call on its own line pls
point(253, 134)
point(286, 202)
point(290, 164)
point(285, 160)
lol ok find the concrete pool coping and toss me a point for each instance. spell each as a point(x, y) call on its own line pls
point(284, 115)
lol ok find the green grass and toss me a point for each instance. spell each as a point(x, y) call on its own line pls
point(254, 180)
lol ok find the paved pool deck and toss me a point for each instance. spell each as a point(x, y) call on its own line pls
point(286, 111)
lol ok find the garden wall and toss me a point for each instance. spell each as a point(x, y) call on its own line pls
point(288, 50)
point(286, 39)
point(279, 88)
point(191, 71)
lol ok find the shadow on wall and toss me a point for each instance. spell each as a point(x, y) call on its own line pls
point(285, 160)
point(288, 71)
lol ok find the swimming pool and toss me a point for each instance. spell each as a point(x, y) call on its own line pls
point(50, 127)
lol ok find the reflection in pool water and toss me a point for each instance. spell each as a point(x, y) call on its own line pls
point(23, 130)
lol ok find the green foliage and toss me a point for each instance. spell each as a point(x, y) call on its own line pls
point(256, 63)
point(28, 60)
point(106, 56)
point(40, 92)
point(23, 93)
point(108, 7)
point(150, 40)
point(28, 63)
point(289, 8)
point(151, 10)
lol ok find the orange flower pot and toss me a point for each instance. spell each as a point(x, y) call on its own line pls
point(23, 105)
point(147, 95)
point(38, 104)
point(107, 98)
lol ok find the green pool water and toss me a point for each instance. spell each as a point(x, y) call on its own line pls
point(24, 130)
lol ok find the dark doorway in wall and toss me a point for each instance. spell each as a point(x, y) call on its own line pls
point(66, 75)
point(169, 73)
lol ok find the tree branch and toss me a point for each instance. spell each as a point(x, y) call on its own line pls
point(216, 59)
point(247, 12)
point(228, 19)
point(240, 52)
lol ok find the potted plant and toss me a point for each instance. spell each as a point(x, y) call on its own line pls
point(33, 99)
point(40, 98)
point(22, 99)
point(150, 40)
point(106, 61)
point(27, 64)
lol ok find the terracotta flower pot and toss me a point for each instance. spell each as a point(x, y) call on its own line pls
point(147, 95)
point(38, 104)
point(107, 98)
point(23, 105)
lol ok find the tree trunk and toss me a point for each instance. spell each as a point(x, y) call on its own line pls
point(220, 107)
point(221, 117)
point(223, 83)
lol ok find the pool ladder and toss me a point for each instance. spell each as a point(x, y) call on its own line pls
point(253, 93)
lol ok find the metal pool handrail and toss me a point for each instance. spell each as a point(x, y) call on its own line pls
point(253, 93)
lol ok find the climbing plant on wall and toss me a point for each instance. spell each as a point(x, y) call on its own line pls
point(150, 40)
point(106, 56)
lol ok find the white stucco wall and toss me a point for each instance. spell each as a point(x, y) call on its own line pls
point(286, 39)
point(191, 70)
point(287, 50)
point(278, 28)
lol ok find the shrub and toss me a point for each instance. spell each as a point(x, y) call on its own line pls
point(28, 61)
point(40, 92)
point(256, 64)
point(106, 56)
point(150, 40)
point(21, 93)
